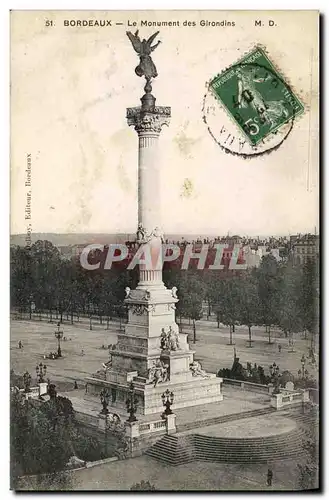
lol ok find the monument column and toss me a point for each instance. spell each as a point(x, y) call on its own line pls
point(148, 121)
point(151, 353)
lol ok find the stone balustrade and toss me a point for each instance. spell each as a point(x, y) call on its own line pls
point(155, 426)
point(249, 386)
point(143, 429)
point(34, 392)
point(286, 398)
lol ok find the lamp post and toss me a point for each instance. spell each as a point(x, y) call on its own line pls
point(27, 381)
point(59, 335)
point(32, 306)
point(303, 361)
point(105, 397)
point(274, 371)
point(167, 401)
point(131, 404)
point(41, 370)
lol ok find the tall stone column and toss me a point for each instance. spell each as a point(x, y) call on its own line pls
point(151, 352)
point(148, 121)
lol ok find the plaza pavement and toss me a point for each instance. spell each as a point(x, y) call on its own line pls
point(235, 401)
point(198, 476)
point(211, 348)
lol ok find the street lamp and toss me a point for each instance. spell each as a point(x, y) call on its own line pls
point(274, 371)
point(59, 335)
point(105, 397)
point(303, 361)
point(167, 401)
point(131, 404)
point(27, 381)
point(41, 370)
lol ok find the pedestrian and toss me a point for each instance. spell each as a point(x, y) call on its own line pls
point(76, 385)
point(82, 352)
point(269, 477)
point(20, 345)
point(279, 347)
point(86, 388)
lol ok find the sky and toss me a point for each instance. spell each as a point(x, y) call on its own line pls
point(70, 88)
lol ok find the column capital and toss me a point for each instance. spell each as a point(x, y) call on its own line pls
point(146, 122)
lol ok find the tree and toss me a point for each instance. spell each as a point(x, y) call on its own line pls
point(45, 268)
point(268, 290)
point(248, 302)
point(308, 468)
point(309, 299)
point(40, 437)
point(289, 301)
point(191, 295)
point(227, 303)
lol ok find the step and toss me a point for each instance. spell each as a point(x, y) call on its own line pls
point(175, 450)
point(224, 418)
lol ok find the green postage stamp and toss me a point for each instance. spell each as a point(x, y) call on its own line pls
point(256, 96)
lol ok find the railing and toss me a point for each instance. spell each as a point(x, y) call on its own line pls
point(84, 418)
point(149, 427)
point(249, 386)
point(286, 397)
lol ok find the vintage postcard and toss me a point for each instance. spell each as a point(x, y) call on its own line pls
point(164, 251)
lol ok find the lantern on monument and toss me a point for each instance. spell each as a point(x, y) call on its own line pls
point(167, 401)
point(131, 404)
point(104, 397)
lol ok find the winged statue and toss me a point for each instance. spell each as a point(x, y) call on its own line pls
point(144, 48)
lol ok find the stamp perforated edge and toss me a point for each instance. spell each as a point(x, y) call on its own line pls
point(286, 81)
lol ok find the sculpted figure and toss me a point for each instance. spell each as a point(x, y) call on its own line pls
point(174, 292)
point(169, 340)
point(158, 373)
point(127, 290)
point(151, 373)
point(164, 344)
point(141, 233)
point(197, 370)
point(173, 339)
point(157, 233)
point(249, 95)
point(144, 49)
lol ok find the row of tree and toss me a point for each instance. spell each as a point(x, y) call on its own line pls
point(274, 294)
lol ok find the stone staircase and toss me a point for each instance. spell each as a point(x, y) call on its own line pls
point(224, 418)
point(181, 449)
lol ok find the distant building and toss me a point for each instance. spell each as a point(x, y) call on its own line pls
point(304, 248)
point(253, 255)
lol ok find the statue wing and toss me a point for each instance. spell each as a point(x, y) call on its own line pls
point(152, 37)
point(135, 41)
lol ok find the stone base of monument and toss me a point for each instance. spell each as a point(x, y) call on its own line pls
point(195, 391)
point(151, 356)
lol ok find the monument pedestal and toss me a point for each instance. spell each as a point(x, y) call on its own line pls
point(153, 355)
